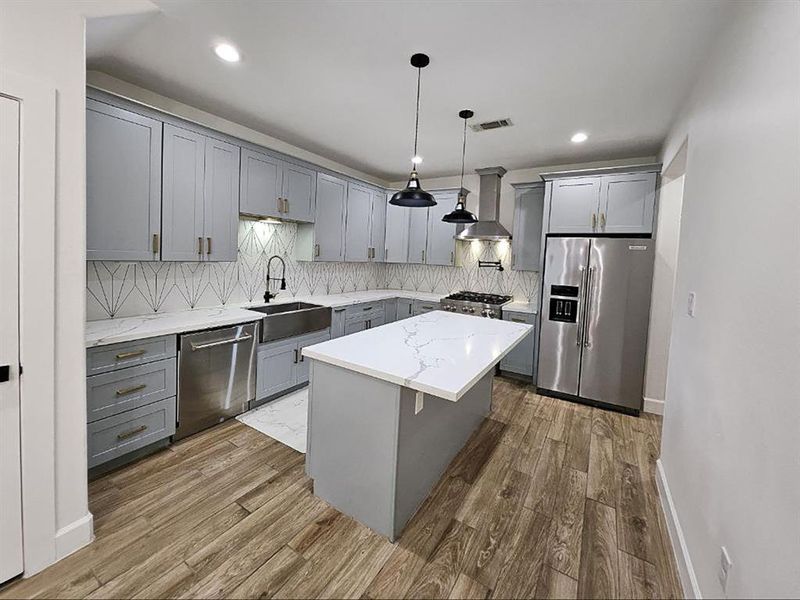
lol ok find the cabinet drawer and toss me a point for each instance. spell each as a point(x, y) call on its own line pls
point(129, 354)
point(362, 311)
point(125, 389)
point(421, 306)
point(115, 436)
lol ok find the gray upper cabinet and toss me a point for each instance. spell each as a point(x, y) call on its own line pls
point(324, 239)
point(397, 229)
point(123, 184)
point(573, 205)
point(417, 235)
point(526, 245)
point(221, 201)
point(260, 185)
point(627, 203)
point(182, 206)
point(357, 230)
point(377, 226)
point(441, 243)
point(299, 192)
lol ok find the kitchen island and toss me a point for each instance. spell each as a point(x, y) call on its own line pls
point(390, 407)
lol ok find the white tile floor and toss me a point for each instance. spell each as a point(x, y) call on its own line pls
point(284, 419)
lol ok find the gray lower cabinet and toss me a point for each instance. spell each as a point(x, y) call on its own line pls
point(422, 306)
point(405, 308)
point(390, 310)
point(324, 239)
point(520, 359)
point(200, 199)
point(337, 322)
point(276, 367)
point(123, 184)
point(526, 247)
point(116, 436)
point(281, 366)
point(355, 326)
point(130, 401)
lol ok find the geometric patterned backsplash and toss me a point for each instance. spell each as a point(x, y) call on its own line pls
point(124, 289)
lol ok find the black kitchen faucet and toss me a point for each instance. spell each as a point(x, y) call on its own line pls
point(269, 295)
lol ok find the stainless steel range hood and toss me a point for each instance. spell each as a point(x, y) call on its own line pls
point(488, 226)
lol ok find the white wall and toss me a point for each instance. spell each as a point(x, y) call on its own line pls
point(730, 451)
point(44, 40)
point(670, 200)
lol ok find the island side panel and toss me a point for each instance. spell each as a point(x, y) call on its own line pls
point(430, 439)
point(352, 444)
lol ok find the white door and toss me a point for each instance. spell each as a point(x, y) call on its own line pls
point(10, 469)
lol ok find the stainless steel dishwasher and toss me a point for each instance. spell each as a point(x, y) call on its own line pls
point(216, 376)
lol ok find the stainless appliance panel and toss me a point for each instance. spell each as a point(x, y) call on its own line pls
point(616, 321)
point(216, 376)
point(560, 342)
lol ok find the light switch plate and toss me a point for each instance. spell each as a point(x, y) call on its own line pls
point(691, 305)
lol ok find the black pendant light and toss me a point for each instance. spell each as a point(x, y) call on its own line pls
point(460, 214)
point(413, 195)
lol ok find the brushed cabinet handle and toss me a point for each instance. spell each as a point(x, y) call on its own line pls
point(200, 246)
point(423, 256)
point(452, 257)
point(517, 320)
point(594, 220)
point(286, 205)
point(131, 354)
point(132, 432)
point(295, 356)
point(367, 308)
point(316, 249)
point(280, 205)
point(130, 390)
point(208, 245)
point(155, 243)
point(603, 220)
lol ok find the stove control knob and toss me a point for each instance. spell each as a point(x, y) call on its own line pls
point(490, 313)
point(472, 310)
point(465, 309)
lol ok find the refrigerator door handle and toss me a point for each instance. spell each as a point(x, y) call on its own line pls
point(582, 300)
point(587, 303)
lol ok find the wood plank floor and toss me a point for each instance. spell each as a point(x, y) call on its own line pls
point(548, 499)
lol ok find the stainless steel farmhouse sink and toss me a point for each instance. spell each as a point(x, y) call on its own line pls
point(292, 318)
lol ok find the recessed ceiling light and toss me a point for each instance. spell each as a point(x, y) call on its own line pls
point(416, 160)
point(579, 138)
point(227, 52)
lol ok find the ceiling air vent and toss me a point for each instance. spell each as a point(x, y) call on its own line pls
point(492, 125)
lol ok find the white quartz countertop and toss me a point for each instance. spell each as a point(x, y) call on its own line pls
point(439, 353)
point(521, 307)
point(125, 329)
point(112, 331)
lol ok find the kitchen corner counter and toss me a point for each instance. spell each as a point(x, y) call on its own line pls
point(112, 331)
point(350, 298)
point(438, 353)
point(521, 307)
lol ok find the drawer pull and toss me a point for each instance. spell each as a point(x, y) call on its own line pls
point(367, 308)
point(131, 354)
point(132, 432)
point(130, 390)
point(295, 356)
point(517, 320)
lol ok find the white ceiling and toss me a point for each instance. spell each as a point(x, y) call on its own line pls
point(334, 78)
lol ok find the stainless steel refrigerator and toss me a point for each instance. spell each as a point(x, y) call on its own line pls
point(594, 319)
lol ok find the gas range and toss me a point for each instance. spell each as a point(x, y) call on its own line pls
point(474, 303)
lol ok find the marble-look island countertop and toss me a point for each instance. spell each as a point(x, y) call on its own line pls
point(439, 353)
point(112, 331)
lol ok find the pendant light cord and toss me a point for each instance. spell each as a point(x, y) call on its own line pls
point(463, 153)
point(416, 123)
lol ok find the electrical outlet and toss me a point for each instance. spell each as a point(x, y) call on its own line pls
point(691, 304)
point(725, 564)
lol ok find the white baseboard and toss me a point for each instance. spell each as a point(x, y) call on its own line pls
point(74, 536)
point(651, 405)
point(691, 589)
